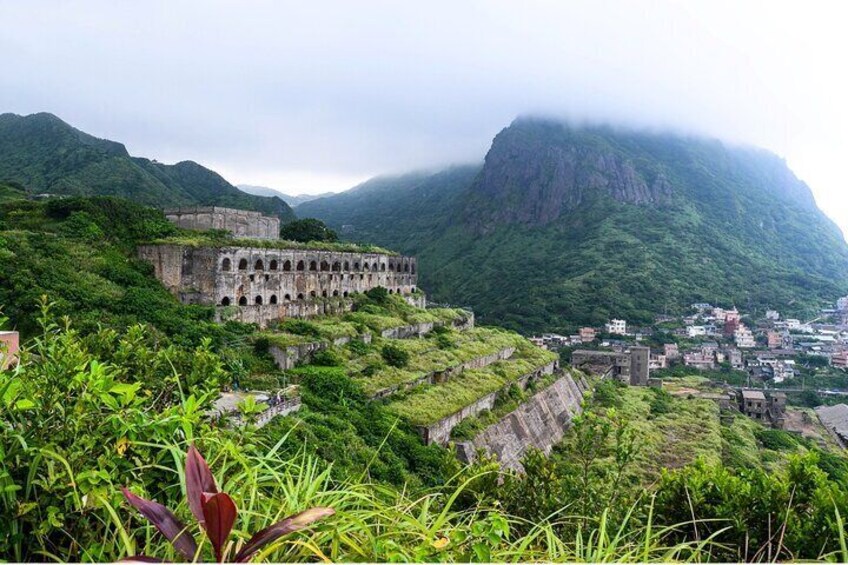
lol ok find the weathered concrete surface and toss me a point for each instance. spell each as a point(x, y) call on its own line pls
point(539, 422)
point(240, 223)
point(441, 430)
point(276, 283)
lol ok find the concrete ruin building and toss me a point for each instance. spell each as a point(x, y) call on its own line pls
point(262, 284)
point(768, 407)
point(240, 223)
point(629, 366)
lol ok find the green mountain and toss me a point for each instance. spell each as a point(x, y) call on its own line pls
point(46, 155)
point(566, 225)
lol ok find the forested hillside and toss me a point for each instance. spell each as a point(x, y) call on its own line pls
point(43, 154)
point(568, 225)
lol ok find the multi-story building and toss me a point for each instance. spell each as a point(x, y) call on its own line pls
point(587, 334)
point(744, 338)
point(840, 359)
point(615, 326)
point(671, 351)
point(775, 340)
point(699, 360)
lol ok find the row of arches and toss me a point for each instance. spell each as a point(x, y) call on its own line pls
point(322, 266)
point(258, 300)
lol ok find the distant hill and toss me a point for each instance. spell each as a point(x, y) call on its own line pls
point(290, 200)
point(567, 225)
point(43, 154)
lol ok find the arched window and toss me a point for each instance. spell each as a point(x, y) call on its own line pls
point(243, 301)
point(365, 267)
point(287, 265)
point(356, 266)
point(300, 265)
point(324, 293)
point(413, 268)
point(243, 265)
point(346, 266)
point(225, 301)
point(325, 266)
point(382, 266)
point(391, 266)
point(258, 299)
point(344, 294)
point(337, 266)
point(287, 297)
point(335, 293)
point(391, 291)
point(313, 266)
point(413, 290)
point(259, 266)
point(406, 268)
point(226, 265)
point(273, 299)
point(273, 265)
point(312, 294)
point(300, 296)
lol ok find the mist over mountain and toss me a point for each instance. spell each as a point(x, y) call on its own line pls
point(565, 225)
point(290, 200)
point(44, 154)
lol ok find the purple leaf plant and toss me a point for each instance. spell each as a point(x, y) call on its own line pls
point(216, 513)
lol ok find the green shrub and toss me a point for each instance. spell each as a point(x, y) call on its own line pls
point(395, 356)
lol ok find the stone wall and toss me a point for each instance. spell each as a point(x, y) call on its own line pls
point(240, 223)
point(291, 282)
point(440, 431)
point(540, 422)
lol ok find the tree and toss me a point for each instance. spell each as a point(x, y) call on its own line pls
point(307, 229)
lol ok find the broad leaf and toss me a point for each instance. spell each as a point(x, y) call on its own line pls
point(278, 530)
point(219, 512)
point(141, 559)
point(165, 522)
point(199, 480)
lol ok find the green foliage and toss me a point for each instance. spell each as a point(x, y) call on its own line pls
point(306, 230)
point(777, 440)
point(45, 155)
point(395, 356)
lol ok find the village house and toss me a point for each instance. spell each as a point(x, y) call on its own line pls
point(671, 351)
point(744, 338)
point(615, 326)
point(587, 334)
point(774, 339)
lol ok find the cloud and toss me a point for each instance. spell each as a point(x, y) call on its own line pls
point(284, 91)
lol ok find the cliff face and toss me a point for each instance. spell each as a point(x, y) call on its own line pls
point(537, 171)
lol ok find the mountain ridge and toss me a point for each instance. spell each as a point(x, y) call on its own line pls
point(47, 155)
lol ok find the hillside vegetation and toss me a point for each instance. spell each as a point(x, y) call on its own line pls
point(43, 154)
point(571, 225)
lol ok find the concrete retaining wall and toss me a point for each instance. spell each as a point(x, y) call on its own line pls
point(440, 431)
point(540, 422)
point(450, 372)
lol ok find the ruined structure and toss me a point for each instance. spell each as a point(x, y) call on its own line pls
point(265, 284)
point(630, 366)
point(766, 406)
point(240, 223)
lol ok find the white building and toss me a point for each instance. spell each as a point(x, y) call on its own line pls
point(695, 331)
point(772, 315)
point(744, 338)
point(842, 304)
point(617, 327)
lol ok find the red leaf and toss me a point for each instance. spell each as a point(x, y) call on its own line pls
point(199, 479)
point(165, 522)
point(271, 533)
point(220, 513)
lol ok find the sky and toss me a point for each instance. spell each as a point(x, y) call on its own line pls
point(307, 97)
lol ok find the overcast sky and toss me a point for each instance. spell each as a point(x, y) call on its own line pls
point(315, 96)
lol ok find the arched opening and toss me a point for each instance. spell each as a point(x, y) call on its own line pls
point(391, 291)
point(287, 297)
point(300, 265)
point(287, 265)
point(313, 266)
point(273, 299)
point(258, 299)
point(226, 265)
point(406, 268)
point(382, 267)
point(413, 290)
point(325, 266)
point(335, 293)
point(365, 267)
point(391, 266)
point(346, 266)
point(324, 293)
point(337, 266)
point(243, 265)
point(344, 294)
point(225, 301)
point(243, 301)
point(312, 294)
point(300, 296)
point(273, 266)
point(259, 265)
point(356, 266)
point(413, 268)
